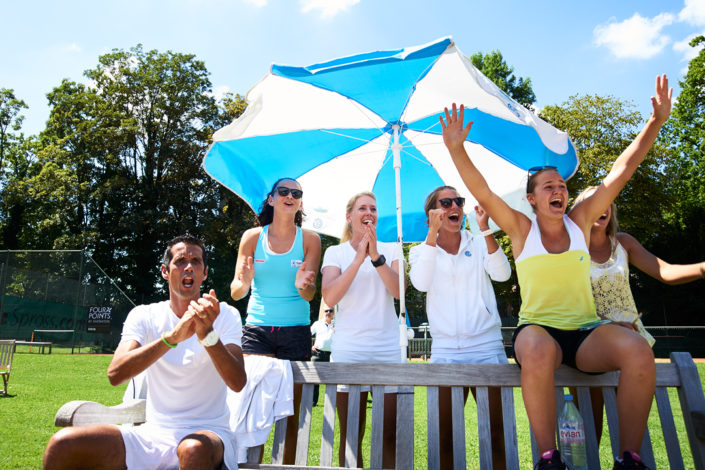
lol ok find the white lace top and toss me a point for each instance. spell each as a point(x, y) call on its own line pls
point(610, 287)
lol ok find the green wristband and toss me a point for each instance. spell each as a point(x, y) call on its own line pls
point(167, 342)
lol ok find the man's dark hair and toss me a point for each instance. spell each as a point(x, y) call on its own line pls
point(189, 240)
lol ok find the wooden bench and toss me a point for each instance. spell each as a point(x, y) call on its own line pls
point(7, 350)
point(39, 344)
point(680, 374)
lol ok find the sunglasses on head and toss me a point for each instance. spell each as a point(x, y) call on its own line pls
point(284, 191)
point(536, 169)
point(446, 202)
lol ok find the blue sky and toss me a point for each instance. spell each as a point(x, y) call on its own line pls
point(566, 47)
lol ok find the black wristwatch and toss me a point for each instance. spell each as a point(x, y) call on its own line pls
point(379, 262)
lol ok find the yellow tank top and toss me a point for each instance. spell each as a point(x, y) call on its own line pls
point(555, 288)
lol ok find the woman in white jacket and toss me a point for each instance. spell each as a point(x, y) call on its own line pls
point(454, 268)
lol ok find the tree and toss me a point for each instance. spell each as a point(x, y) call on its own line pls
point(502, 75)
point(121, 162)
point(601, 128)
point(10, 120)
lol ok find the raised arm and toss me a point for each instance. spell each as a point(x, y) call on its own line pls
point(514, 223)
point(658, 268)
point(244, 266)
point(626, 164)
point(306, 275)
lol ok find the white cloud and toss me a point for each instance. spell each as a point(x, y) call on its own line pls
point(689, 53)
point(328, 8)
point(220, 91)
point(693, 13)
point(257, 3)
point(634, 38)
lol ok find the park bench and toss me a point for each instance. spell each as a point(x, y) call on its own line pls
point(40, 345)
point(7, 350)
point(680, 374)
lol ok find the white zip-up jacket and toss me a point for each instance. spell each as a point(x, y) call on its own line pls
point(460, 301)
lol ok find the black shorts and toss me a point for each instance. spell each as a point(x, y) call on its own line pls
point(568, 340)
point(285, 342)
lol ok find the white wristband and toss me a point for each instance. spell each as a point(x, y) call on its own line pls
point(486, 233)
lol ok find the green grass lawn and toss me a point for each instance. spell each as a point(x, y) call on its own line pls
point(40, 384)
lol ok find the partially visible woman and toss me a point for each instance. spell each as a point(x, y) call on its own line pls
point(360, 276)
point(611, 252)
point(279, 261)
point(454, 268)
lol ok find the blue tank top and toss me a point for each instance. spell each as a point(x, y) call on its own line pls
point(274, 300)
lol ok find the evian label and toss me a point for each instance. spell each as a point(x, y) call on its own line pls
point(572, 433)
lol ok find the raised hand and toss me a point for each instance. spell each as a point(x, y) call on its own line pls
point(204, 312)
point(362, 249)
point(435, 220)
point(454, 134)
point(304, 278)
point(482, 217)
point(248, 271)
point(372, 244)
point(661, 103)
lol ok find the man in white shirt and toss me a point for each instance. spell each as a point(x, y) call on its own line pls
point(322, 329)
point(190, 349)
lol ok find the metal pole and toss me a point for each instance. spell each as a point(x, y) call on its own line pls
point(78, 298)
point(396, 153)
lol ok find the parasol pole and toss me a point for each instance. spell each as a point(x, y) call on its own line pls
point(396, 153)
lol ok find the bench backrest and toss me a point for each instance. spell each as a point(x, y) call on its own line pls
point(7, 350)
point(680, 374)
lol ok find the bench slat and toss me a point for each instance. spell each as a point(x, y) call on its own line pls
point(591, 450)
point(304, 431)
point(432, 429)
point(511, 444)
point(484, 436)
point(352, 431)
point(377, 437)
point(405, 428)
point(458, 423)
point(610, 396)
point(278, 441)
point(692, 400)
point(646, 452)
point(328, 426)
point(668, 426)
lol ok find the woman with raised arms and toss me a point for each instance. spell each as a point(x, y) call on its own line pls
point(557, 320)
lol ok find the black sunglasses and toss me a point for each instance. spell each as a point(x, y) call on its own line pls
point(284, 191)
point(536, 169)
point(328, 310)
point(446, 202)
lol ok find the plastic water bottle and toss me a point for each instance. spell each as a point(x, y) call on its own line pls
point(572, 436)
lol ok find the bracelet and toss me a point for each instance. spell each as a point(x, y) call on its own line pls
point(167, 342)
point(486, 233)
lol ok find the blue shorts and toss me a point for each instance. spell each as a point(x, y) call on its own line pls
point(285, 342)
point(568, 340)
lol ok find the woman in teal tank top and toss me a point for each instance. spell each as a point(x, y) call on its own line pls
point(558, 323)
point(278, 261)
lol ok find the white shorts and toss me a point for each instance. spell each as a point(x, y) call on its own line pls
point(392, 356)
point(454, 356)
point(150, 446)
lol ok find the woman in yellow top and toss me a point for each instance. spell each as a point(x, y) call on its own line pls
point(558, 323)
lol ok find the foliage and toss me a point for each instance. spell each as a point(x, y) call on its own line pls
point(601, 128)
point(496, 69)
